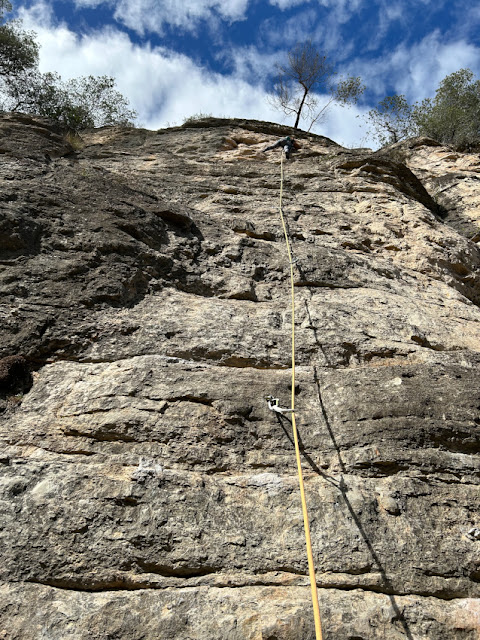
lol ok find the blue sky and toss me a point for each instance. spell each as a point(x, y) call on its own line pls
point(175, 58)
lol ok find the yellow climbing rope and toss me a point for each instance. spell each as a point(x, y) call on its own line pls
point(311, 566)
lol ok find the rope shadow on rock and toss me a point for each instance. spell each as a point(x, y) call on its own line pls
point(343, 488)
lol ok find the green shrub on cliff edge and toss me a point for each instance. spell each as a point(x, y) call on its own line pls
point(452, 117)
point(75, 104)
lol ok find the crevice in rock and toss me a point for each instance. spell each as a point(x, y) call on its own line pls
point(267, 236)
point(382, 468)
point(103, 436)
point(424, 342)
point(221, 359)
point(128, 501)
point(176, 572)
point(114, 585)
point(191, 398)
point(78, 452)
point(317, 284)
point(15, 381)
point(229, 583)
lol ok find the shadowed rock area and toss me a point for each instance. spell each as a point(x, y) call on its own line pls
point(146, 490)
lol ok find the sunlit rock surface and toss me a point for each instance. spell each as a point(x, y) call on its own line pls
point(147, 491)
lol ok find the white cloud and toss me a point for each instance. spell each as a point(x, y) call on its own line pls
point(39, 14)
point(286, 33)
point(287, 4)
point(416, 71)
point(324, 28)
point(432, 60)
point(388, 12)
point(89, 3)
point(248, 63)
point(342, 8)
point(151, 15)
point(345, 125)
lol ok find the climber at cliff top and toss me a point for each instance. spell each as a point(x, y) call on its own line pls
point(288, 144)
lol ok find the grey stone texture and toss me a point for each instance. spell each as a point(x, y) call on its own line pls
point(147, 492)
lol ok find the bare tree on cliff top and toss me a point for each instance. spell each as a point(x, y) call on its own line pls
point(307, 70)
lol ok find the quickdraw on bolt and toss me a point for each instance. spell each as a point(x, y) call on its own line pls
point(273, 405)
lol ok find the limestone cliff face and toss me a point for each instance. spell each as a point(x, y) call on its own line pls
point(147, 491)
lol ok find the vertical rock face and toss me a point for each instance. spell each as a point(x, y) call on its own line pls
point(147, 491)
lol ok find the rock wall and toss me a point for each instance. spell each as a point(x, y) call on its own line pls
point(147, 491)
